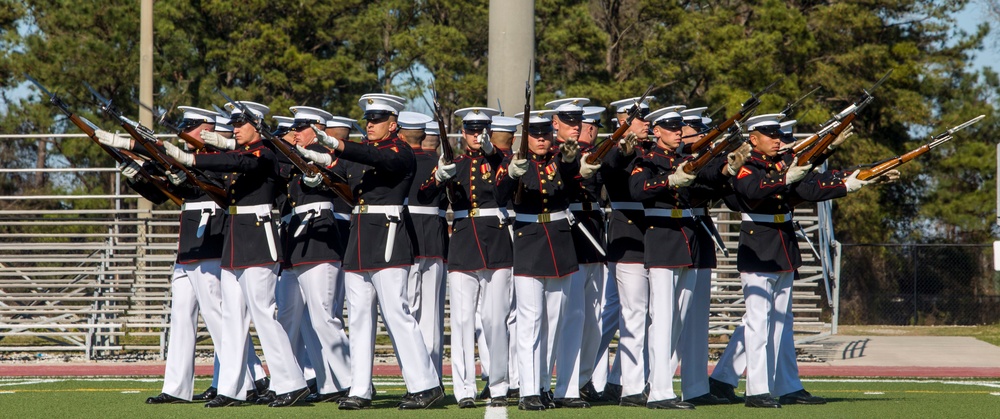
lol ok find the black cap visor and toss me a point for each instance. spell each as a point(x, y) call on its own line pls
point(475, 126)
point(672, 124)
point(570, 117)
point(377, 114)
point(540, 129)
point(773, 131)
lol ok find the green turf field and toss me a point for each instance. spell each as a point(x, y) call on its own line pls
point(54, 398)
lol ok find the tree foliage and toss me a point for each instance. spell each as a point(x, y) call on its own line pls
point(711, 53)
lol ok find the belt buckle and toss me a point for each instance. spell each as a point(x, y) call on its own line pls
point(676, 213)
point(474, 212)
point(233, 210)
point(363, 209)
point(544, 217)
point(779, 218)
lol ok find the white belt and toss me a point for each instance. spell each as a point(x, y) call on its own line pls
point(262, 211)
point(198, 206)
point(669, 212)
point(543, 218)
point(342, 216)
point(378, 209)
point(310, 211)
point(637, 206)
point(314, 207)
point(768, 218)
point(482, 212)
point(698, 212)
point(584, 206)
point(425, 210)
point(207, 209)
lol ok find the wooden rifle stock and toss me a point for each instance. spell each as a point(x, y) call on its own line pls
point(812, 154)
point(341, 189)
point(447, 153)
point(886, 165)
point(744, 112)
point(121, 158)
point(605, 147)
point(732, 141)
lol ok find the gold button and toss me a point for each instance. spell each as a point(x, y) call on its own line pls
point(386, 224)
point(258, 224)
point(361, 201)
point(472, 188)
point(543, 181)
point(293, 203)
point(544, 191)
point(234, 201)
point(519, 234)
point(545, 209)
point(545, 200)
point(630, 221)
point(475, 205)
point(473, 196)
point(559, 183)
point(473, 169)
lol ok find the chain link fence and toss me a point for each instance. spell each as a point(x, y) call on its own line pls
point(918, 284)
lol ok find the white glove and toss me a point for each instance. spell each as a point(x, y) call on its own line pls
point(679, 178)
point(326, 140)
point(887, 177)
point(112, 140)
point(216, 140)
point(853, 183)
point(569, 150)
point(588, 170)
point(843, 136)
point(484, 143)
point(129, 169)
point(444, 171)
point(322, 159)
point(737, 158)
point(517, 168)
point(628, 144)
point(312, 181)
point(177, 177)
point(796, 173)
point(181, 156)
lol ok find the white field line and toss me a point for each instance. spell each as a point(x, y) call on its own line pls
point(495, 413)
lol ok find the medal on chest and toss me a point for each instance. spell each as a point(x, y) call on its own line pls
point(550, 170)
point(485, 170)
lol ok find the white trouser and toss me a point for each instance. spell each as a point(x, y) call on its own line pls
point(594, 278)
point(610, 312)
point(425, 295)
point(733, 361)
point(387, 288)
point(692, 346)
point(307, 303)
point(786, 371)
point(768, 298)
point(495, 308)
point(633, 293)
point(178, 374)
point(513, 367)
point(665, 285)
point(254, 299)
point(540, 304)
point(484, 349)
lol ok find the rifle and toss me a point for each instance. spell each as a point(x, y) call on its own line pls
point(120, 157)
point(605, 147)
point(447, 153)
point(740, 115)
point(825, 137)
point(340, 188)
point(523, 146)
point(880, 168)
point(144, 136)
point(733, 140)
point(161, 119)
point(789, 107)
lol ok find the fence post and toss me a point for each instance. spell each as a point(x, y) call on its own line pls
point(913, 257)
point(835, 302)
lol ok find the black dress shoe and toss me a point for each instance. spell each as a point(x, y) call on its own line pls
point(612, 392)
point(423, 399)
point(323, 398)
point(262, 385)
point(762, 400)
point(546, 398)
point(706, 399)
point(311, 383)
point(290, 398)
point(499, 401)
point(466, 403)
point(589, 393)
point(633, 400)
point(530, 403)
point(723, 390)
point(571, 403)
point(799, 397)
point(222, 401)
point(354, 403)
point(261, 398)
point(513, 393)
point(164, 398)
point(485, 394)
point(674, 403)
point(206, 395)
